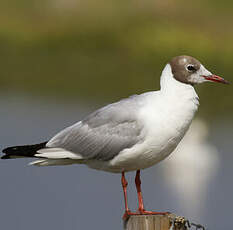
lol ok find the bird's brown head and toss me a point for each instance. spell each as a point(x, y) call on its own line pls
point(189, 70)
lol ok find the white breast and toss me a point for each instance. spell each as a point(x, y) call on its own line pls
point(167, 125)
point(166, 116)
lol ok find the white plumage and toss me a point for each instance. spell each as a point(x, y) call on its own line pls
point(132, 134)
point(157, 120)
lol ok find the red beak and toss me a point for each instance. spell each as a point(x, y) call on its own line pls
point(216, 78)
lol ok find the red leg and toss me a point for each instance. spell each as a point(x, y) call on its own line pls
point(139, 191)
point(124, 185)
point(141, 209)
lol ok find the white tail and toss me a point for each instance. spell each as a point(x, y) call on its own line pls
point(57, 153)
point(53, 162)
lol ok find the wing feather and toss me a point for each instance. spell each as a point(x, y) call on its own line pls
point(104, 133)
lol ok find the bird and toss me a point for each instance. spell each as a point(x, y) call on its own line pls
point(132, 134)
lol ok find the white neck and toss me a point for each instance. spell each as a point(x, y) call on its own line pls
point(180, 102)
point(171, 87)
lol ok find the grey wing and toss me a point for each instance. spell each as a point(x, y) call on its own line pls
point(104, 133)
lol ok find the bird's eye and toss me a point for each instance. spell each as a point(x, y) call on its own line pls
point(191, 68)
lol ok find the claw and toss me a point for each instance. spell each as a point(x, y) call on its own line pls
point(144, 212)
point(127, 214)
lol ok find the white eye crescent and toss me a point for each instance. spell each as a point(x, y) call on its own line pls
point(191, 68)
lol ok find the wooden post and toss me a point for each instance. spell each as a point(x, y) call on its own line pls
point(148, 222)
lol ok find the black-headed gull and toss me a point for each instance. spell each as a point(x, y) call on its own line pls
point(132, 134)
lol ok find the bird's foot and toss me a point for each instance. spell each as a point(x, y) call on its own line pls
point(128, 213)
point(144, 212)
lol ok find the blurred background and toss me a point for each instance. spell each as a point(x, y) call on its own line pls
point(62, 59)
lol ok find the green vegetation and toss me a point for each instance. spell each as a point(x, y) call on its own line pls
point(106, 50)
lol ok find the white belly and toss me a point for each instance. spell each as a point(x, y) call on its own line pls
point(146, 154)
point(140, 156)
point(162, 134)
point(165, 118)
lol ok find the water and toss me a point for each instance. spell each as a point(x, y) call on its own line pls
point(75, 197)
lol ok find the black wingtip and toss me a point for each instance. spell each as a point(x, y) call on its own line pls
point(8, 150)
point(22, 151)
point(5, 157)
